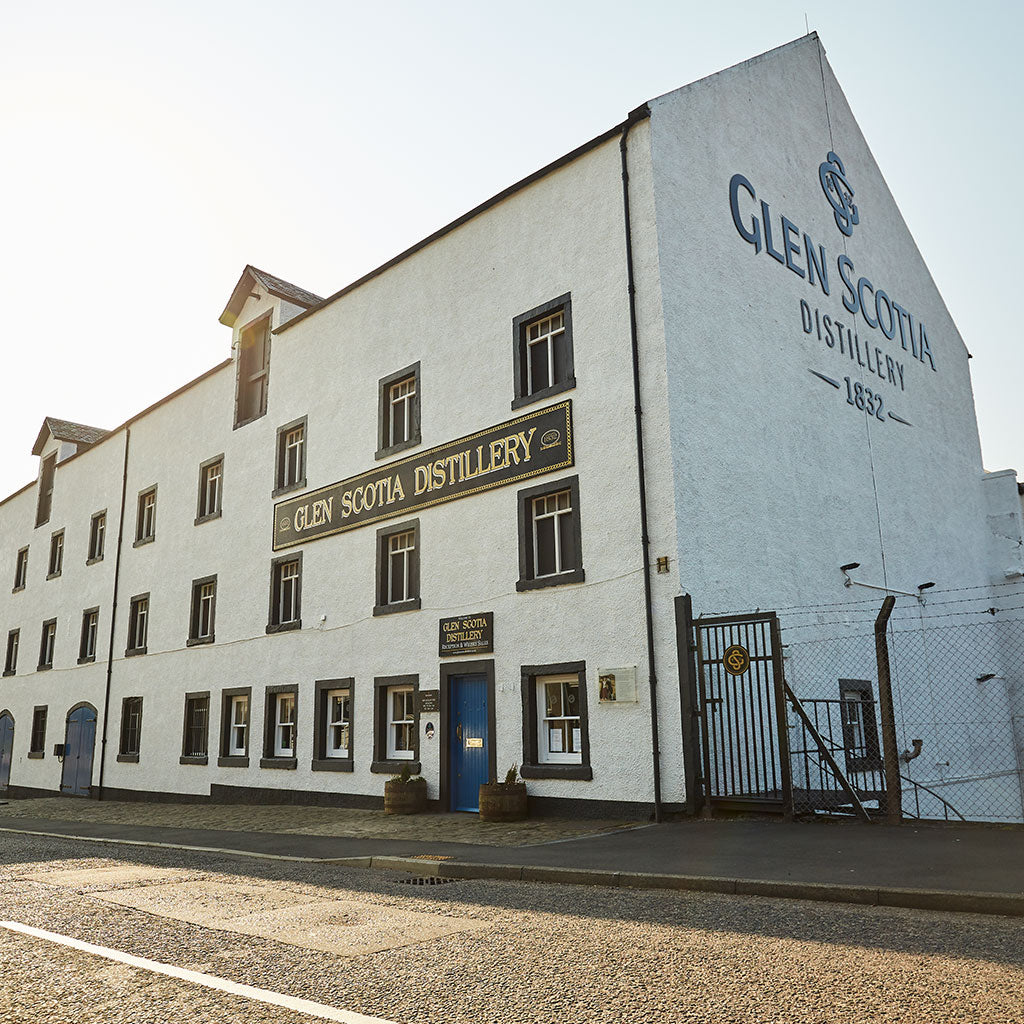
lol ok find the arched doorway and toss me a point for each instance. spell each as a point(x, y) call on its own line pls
point(79, 739)
point(6, 748)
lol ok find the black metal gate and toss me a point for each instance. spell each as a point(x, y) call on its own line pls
point(742, 712)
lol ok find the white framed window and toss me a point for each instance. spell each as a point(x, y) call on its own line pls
point(204, 606)
point(145, 523)
point(21, 570)
point(401, 723)
point(47, 643)
point(398, 411)
point(291, 456)
point(138, 624)
point(90, 628)
point(56, 554)
point(253, 371)
point(542, 351)
point(401, 551)
point(284, 725)
point(559, 729)
point(553, 547)
point(11, 660)
point(238, 726)
point(400, 405)
point(197, 720)
point(97, 536)
point(541, 340)
point(285, 593)
point(339, 717)
point(211, 478)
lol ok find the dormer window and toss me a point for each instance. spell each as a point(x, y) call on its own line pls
point(45, 489)
point(253, 371)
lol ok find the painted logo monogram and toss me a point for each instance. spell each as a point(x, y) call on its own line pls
point(838, 192)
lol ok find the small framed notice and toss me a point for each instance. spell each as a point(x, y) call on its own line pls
point(616, 685)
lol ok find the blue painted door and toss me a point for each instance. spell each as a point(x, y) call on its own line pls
point(469, 742)
point(78, 745)
point(6, 748)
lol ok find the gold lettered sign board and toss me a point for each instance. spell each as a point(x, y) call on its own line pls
point(466, 634)
point(534, 443)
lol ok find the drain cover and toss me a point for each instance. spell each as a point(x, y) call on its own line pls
point(425, 880)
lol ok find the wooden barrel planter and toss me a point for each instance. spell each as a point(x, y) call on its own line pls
point(405, 797)
point(500, 801)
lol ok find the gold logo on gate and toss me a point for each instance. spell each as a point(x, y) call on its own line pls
point(736, 660)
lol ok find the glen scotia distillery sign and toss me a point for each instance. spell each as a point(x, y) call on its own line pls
point(534, 443)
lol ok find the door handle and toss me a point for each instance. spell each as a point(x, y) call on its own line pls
point(458, 731)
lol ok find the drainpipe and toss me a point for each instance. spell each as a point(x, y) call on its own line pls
point(639, 114)
point(113, 613)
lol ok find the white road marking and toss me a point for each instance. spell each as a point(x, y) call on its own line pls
point(196, 978)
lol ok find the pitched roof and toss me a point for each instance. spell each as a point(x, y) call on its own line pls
point(65, 430)
point(274, 285)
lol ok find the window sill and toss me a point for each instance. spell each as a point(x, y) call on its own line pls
point(144, 540)
point(93, 561)
point(35, 755)
point(411, 605)
point(18, 590)
point(579, 772)
point(538, 396)
point(43, 668)
point(299, 485)
point(402, 446)
point(288, 763)
point(284, 627)
point(395, 767)
point(134, 652)
point(127, 758)
point(52, 575)
point(8, 672)
point(562, 578)
point(209, 515)
point(87, 661)
point(332, 764)
point(233, 761)
point(251, 419)
point(198, 641)
point(193, 759)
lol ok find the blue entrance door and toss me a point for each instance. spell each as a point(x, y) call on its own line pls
point(469, 742)
point(6, 748)
point(78, 744)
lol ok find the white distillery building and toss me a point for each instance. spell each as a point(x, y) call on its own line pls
point(441, 517)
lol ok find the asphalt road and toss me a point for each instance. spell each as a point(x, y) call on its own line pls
point(481, 951)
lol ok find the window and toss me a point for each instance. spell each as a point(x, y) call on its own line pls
point(556, 742)
point(234, 733)
point(45, 489)
point(56, 555)
point(285, 594)
point(204, 604)
point(20, 570)
point(46, 645)
point(131, 729)
point(37, 740)
point(290, 473)
point(11, 659)
point(860, 726)
point(398, 568)
point(253, 371)
point(138, 625)
point(90, 628)
point(279, 728)
point(332, 726)
point(550, 544)
point(211, 478)
point(145, 521)
point(197, 721)
point(542, 352)
point(396, 724)
point(97, 536)
point(398, 411)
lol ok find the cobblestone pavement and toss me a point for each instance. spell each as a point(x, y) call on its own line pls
point(476, 951)
point(313, 821)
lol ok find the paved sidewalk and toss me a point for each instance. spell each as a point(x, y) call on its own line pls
point(970, 868)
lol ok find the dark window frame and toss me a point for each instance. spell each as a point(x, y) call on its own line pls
point(384, 386)
point(84, 658)
point(872, 757)
point(124, 755)
point(381, 764)
point(269, 758)
point(93, 555)
point(141, 538)
point(532, 767)
point(296, 623)
point(11, 652)
point(384, 534)
point(321, 762)
point(280, 460)
point(133, 611)
point(203, 514)
point(226, 759)
point(46, 485)
point(46, 666)
point(187, 758)
point(520, 324)
point(56, 554)
point(256, 323)
point(524, 506)
point(194, 614)
point(20, 569)
point(37, 743)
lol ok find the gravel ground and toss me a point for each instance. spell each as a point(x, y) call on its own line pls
point(546, 954)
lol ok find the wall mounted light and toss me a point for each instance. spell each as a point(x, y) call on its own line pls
point(846, 569)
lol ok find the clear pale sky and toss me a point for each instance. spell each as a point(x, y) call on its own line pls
point(149, 151)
